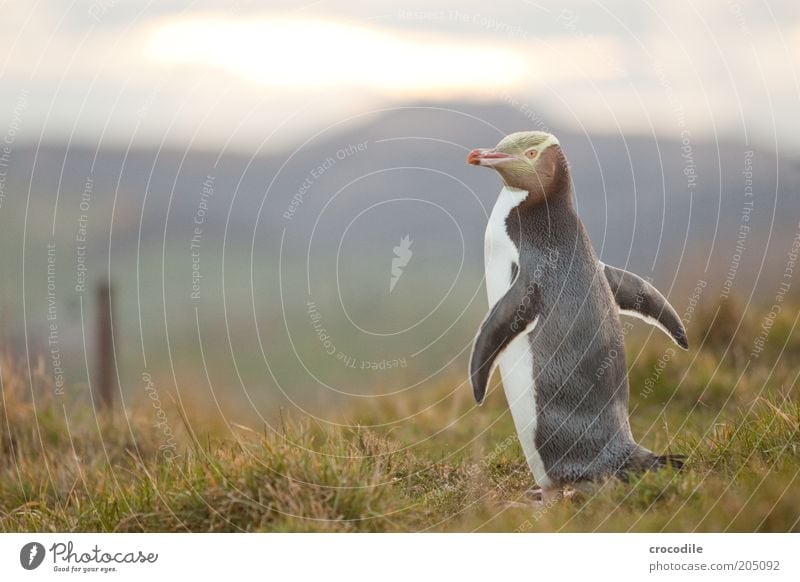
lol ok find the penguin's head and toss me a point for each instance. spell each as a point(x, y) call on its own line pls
point(528, 160)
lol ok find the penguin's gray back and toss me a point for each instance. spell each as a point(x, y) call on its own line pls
point(579, 365)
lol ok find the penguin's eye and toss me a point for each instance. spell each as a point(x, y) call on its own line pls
point(530, 154)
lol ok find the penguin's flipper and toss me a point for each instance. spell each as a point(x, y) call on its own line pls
point(516, 313)
point(638, 298)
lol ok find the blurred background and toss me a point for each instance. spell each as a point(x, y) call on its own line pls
point(277, 193)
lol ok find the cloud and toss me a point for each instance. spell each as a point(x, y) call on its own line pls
point(313, 53)
point(302, 52)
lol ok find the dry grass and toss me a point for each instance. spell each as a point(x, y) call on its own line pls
point(451, 467)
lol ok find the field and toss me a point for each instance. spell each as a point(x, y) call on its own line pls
point(427, 461)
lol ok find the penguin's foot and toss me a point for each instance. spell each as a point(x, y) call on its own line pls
point(548, 496)
point(578, 491)
point(570, 493)
point(538, 496)
point(584, 489)
point(556, 494)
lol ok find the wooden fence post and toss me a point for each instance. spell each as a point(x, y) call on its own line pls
point(104, 379)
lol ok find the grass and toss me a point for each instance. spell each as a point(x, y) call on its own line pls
point(427, 461)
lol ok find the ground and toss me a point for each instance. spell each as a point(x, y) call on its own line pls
point(450, 467)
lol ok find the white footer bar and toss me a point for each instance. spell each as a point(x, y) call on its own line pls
point(401, 557)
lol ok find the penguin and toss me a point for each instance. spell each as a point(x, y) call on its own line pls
point(554, 328)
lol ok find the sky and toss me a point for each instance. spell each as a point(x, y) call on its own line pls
point(263, 76)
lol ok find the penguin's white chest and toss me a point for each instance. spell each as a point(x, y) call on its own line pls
point(516, 361)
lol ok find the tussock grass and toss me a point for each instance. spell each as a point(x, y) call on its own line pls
point(425, 461)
